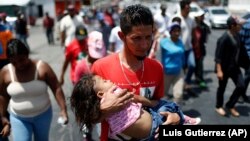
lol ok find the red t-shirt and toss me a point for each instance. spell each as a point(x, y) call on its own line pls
point(74, 52)
point(48, 22)
point(151, 84)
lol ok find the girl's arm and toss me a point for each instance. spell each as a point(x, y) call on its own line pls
point(144, 101)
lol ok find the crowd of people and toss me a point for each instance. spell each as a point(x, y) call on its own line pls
point(111, 72)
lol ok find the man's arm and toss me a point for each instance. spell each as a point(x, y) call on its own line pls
point(114, 102)
point(63, 38)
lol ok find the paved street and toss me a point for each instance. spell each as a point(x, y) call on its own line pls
point(202, 104)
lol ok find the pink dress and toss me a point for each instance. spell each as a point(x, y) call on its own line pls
point(121, 120)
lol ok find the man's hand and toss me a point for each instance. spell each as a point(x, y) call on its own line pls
point(115, 102)
point(171, 119)
point(220, 75)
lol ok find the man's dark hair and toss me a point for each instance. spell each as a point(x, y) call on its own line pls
point(183, 4)
point(135, 15)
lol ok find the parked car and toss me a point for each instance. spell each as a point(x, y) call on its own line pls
point(246, 15)
point(194, 8)
point(217, 16)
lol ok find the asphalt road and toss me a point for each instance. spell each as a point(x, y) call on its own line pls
point(201, 104)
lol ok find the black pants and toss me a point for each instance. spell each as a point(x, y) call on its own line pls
point(199, 69)
point(237, 77)
point(49, 34)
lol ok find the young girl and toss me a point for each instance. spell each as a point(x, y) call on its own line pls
point(89, 92)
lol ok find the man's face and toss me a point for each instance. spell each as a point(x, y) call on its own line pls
point(71, 12)
point(186, 10)
point(139, 40)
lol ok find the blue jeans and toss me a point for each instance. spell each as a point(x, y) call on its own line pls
point(24, 127)
point(158, 119)
point(190, 64)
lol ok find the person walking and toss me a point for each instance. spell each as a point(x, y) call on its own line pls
point(74, 52)
point(227, 58)
point(161, 19)
point(24, 86)
point(48, 24)
point(200, 36)
point(172, 49)
point(68, 25)
point(21, 28)
point(7, 24)
point(245, 40)
point(5, 36)
point(187, 27)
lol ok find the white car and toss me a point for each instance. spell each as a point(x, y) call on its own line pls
point(217, 16)
point(194, 8)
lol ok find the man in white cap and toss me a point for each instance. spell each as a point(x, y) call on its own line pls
point(200, 35)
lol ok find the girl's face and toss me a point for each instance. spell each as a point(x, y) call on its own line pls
point(20, 62)
point(101, 85)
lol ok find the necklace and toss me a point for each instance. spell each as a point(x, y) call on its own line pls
point(134, 84)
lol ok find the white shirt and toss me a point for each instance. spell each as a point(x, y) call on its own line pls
point(114, 38)
point(161, 22)
point(69, 25)
point(187, 25)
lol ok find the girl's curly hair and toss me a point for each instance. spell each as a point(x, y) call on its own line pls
point(84, 102)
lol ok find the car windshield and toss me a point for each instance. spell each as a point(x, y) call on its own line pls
point(219, 11)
